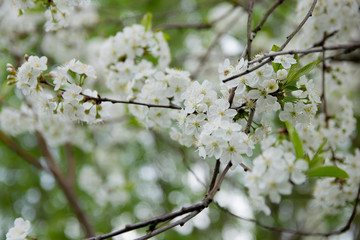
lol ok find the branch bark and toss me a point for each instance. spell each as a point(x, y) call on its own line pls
point(302, 233)
point(269, 56)
point(65, 187)
point(21, 152)
point(193, 210)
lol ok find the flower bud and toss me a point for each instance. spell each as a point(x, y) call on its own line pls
point(11, 82)
point(10, 68)
point(11, 77)
point(281, 74)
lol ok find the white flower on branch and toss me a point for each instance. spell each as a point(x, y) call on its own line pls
point(20, 230)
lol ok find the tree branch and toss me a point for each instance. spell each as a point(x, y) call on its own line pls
point(180, 222)
point(323, 70)
point(192, 209)
point(99, 99)
point(251, 117)
point(182, 26)
point(288, 39)
point(269, 56)
point(308, 15)
point(65, 187)
point(20, 151)
point(266, 15)
point(71, 164)
point(249, 33)
point(215, 174)
point(301, 233)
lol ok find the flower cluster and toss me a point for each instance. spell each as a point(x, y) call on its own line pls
point(207, 122)
point(132, 56)
point(329, 16)
point(71, 101)
point(20, 230)
point(273, 173)
point(58, 13)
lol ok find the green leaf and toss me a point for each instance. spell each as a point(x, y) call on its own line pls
point(275, 48)
point(147, 21)
point(295, 139)
point(303, 71)
point(290, 99)
point(276, 66)
point(166, 36)
point(327, 171)
point(292, 88)
point(293, 68)
point(317, 160)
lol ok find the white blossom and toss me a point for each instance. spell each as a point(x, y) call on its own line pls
point(20, 230)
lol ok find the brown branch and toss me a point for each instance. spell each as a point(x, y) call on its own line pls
point(249, 33)
point(215, 174)
point(323, 70)
point(353, 57)
point(231, 96)
point(347, 47)
point(99, 99)
point(251, 117)
point(308, 15)
point(182, 26)
point(71, 164)
point(288, 39)
point(297, 232)
point(20, 151)
point(266, 15)
point(65, 187)
point(180, 222)
point(192, 209)
point(246, 168)
point(269, 56)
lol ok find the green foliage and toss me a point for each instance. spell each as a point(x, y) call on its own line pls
point(317, 159)
point(147, 21)
point(276, 66)
point(295, 139)
point(293, 68)
point(327, 171)
point(292, 79)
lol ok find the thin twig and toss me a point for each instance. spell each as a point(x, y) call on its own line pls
point(246, 168)
point(192, 209)
point(215, 173)
point(288, 39)
point(99, 99)
point(249, 33)
point(297, 232)
point(180, 222)
point(308, 15)
point(323, 97)
point(266, 15)
point(20, 151)
point(251, 117)
point(231, 96)
point(182, 26)
point(269, 56)
point(71, 164)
